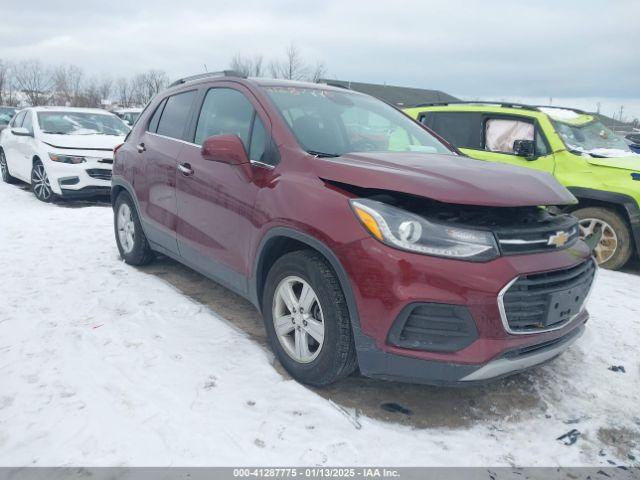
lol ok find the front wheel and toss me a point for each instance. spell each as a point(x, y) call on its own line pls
point(307, 320)
point(615, 247)
point(40, 184)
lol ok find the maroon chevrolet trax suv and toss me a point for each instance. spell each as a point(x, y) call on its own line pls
point(365, 240)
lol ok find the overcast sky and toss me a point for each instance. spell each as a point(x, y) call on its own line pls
point(576, 52)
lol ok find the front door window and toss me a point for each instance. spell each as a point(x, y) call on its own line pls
point(500, 134)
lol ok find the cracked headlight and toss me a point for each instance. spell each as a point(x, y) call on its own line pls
point(407, 231)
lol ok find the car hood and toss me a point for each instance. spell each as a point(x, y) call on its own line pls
point(631, 162)
point(82, 142)
point(446, 178)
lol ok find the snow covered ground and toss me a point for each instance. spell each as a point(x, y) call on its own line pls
point(103, 364)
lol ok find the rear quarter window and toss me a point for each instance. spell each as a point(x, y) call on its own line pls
point(175, 115)
point(461, 129)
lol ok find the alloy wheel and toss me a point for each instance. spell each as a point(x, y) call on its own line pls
point(40, 182)
point(609, 241)
point(126, 228)
point(298, 320)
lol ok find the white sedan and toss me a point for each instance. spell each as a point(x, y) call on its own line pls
point(61, 151)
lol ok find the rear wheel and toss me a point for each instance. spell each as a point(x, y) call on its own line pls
point(307, 320)
point(4, 169)
point(615, 247)
point(131, 240)
point(40, 184)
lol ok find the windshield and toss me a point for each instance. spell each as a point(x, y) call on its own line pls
point(6, 114)
point(81, 123)
point(330, 123)
point(592, 138)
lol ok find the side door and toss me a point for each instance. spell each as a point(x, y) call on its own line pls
point(11, 147)
point(26, 147)
point(158, 150)
point(217, 219)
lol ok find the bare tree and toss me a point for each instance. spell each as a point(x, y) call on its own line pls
point(91, 96)
point(105, 87)
point(146, 85)
point(67, 85)
point(124, 91)
point(292, 67)
point(319, 71)
point(34, 80)
point(5, 79)
point(248, 66)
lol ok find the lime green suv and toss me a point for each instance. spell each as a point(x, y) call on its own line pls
point(594, 163)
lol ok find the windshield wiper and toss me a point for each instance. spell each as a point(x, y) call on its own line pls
point(323, 154)
point(54, 133)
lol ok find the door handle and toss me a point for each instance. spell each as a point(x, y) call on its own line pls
point(141, 148)
point(185, 169)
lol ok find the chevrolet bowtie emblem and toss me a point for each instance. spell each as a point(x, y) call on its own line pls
point(559, 239)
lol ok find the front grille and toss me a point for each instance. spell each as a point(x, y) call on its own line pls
point(99, 173)
point(544, 301)
point(562, 232)
point(434, 327)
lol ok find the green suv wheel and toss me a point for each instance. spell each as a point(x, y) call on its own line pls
point(615, 248)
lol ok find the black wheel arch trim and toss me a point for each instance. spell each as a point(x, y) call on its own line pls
point(625, 201)
point(312, 242)
point(363, 342)
point(118, 183)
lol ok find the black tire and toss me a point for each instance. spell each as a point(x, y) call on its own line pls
point(40, 185)
point(337, 357)
point(624, 246)
point(140, 253)
point(4, 169)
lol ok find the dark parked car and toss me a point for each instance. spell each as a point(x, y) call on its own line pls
point(634, 141)
point(6, 114)
point(364, 239)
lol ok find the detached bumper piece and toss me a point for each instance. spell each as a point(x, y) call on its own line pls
point(433, 327)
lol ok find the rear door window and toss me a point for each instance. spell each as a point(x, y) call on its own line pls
point(175, 115)
point(461, 129)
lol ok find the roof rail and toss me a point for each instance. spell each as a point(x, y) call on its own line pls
point(200, 76)
point(479, 102)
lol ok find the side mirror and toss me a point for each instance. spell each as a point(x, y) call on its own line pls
point(224, 148)
point(21, 132)
point(524, 148)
